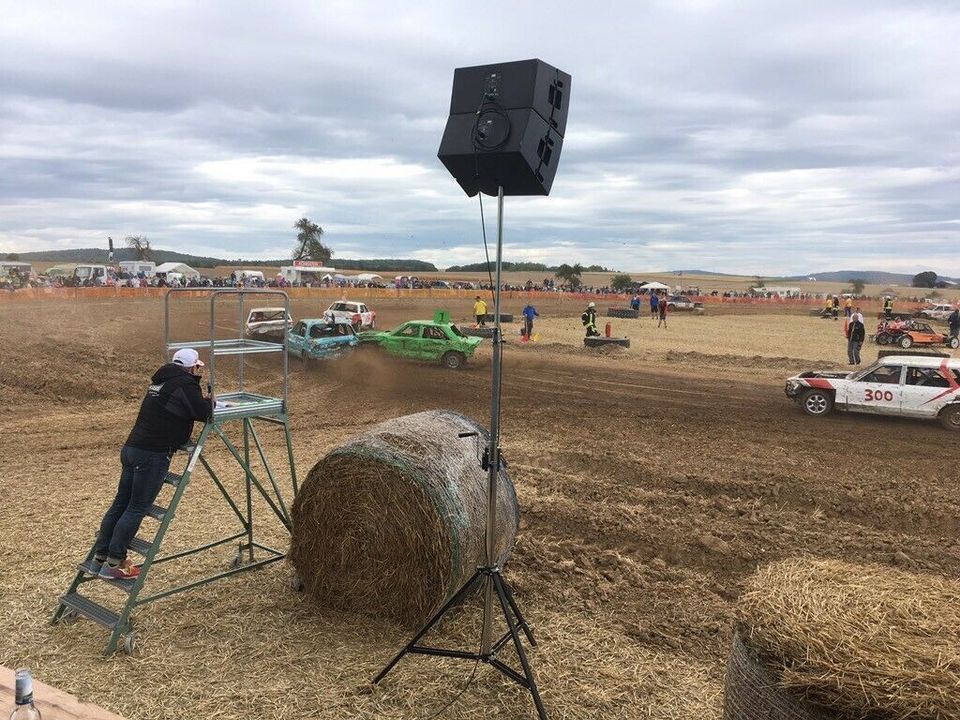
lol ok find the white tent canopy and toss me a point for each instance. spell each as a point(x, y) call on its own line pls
point(185, 270)
point(654, 286)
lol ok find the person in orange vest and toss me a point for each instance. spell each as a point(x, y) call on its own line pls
point(848, 307)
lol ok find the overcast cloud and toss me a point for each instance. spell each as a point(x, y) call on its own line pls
point(755, 136)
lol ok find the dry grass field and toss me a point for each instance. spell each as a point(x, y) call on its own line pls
point(652, 481)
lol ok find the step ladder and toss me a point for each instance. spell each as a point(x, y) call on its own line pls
point(242, 406)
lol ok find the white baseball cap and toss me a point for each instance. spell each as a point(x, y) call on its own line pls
point(593, 304)
point(187, 357)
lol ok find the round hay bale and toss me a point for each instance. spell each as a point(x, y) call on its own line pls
point(753, 690)
point(392, 523)
point(864, 640)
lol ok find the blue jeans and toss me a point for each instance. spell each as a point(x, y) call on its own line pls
point(140, 482)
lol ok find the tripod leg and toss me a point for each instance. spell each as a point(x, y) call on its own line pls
point(457, 597)
point(527, 670)
point(522, 624)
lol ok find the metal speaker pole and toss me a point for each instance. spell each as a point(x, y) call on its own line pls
point(503, 137)
point(486, 640)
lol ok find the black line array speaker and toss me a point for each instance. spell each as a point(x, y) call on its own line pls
point(506, 127)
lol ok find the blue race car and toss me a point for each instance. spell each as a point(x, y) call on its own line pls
point(316, 338)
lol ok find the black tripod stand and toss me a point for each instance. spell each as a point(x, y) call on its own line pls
point(489, 576)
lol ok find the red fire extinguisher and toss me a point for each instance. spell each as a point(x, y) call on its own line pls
point(607, 330)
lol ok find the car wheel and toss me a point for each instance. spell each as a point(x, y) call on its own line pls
point(816, 402)
point(453, 360)
point(949, 417)
point(954, 342)
point(906, 341)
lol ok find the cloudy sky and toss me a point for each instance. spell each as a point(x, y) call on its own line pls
point(753, 136)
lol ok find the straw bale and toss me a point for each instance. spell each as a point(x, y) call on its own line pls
point(871, 641)
point(392, 523)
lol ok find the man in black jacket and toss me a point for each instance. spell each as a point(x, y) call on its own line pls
point(856, 332)
point(953, 321)
point(173, 402)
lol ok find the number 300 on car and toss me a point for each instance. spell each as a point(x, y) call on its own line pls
point(878, 396)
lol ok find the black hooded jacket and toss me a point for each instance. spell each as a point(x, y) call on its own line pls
point(174, 400)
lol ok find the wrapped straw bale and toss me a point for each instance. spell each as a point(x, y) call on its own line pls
point(392, 523)
point(865, 641)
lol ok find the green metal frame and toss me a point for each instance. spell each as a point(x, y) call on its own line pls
point(239, 405)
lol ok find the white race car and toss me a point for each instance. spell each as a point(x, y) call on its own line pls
point(906, 385)
point(352, 313)
point(937, 311)
point(268, 323)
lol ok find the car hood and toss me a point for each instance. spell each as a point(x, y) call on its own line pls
point(830, 374)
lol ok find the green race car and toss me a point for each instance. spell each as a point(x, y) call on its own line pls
point(438, 340)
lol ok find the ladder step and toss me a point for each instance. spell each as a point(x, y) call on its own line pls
point(125, 585)
point(172, 479)
point(156, 512)
point(91, 610)
point(140, 546)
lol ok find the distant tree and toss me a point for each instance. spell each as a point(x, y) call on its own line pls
point(621, 282)
point(596, 268)
point(925, 279)
point(13, 257)
point(758, 282)
point(309, 246)
point(140, 246)
point(857, 285)
point(570, 274)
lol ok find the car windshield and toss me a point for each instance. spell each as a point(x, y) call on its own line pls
point(337, 330)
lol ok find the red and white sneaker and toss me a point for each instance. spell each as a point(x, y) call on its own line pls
point(124, 571)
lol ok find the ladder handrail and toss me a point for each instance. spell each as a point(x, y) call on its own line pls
point(216, 293)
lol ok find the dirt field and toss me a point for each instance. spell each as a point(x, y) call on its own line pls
point(651, 482)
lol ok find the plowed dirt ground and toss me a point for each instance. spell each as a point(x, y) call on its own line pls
point(651, 482)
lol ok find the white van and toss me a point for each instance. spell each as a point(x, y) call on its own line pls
point(91, 274)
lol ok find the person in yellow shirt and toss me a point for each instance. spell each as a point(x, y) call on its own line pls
point(480, 311)
point(848, 307)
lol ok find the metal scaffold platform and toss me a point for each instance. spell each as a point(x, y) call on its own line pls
point(251, 410)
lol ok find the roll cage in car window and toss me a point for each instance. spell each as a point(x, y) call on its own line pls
point(886, 374)
point(926, 377)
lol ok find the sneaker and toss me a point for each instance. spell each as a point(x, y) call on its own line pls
point(124, 571)
point(92, 568)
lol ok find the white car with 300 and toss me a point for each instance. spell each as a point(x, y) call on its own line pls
point(906, 385)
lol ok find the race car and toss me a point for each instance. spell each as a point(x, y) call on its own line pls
point(937, 311)
point(907, 333)
point(906, 385)
point(681, 303)
point(920, 333)
point(316, 338)
point(268, 323)
point(437, 340)
point(355, 313)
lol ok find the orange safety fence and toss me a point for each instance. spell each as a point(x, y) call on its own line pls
point(103, 293)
